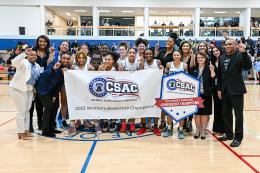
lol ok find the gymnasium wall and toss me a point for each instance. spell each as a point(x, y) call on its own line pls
point(14, 16)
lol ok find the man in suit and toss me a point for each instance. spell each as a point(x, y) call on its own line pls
point(232, 88)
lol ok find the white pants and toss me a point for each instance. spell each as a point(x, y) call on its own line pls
point(23, 102)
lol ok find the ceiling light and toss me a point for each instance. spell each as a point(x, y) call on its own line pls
point(152, 11)
point(219, 12)
point(74, 18)
point(107, 18)
point(125, 11)
point(238, 12)
point(68, 14)
point(104, 11)
point(128, 18)
point(201, 12)
point(81, 11)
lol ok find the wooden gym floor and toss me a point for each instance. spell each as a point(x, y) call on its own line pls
point(123, 153)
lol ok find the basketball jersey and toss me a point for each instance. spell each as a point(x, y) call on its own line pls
point(84, 69)
point(113, 69)
point(151, 66)
point(121, 60)
point(174, 69)
point(127, 66)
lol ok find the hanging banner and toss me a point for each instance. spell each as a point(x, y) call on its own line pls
point(113, 94)
point(180, 95)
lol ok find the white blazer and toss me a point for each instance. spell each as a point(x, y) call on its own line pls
point(23, 73)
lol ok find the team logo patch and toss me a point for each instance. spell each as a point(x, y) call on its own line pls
point(108, 86)
point(174, 84)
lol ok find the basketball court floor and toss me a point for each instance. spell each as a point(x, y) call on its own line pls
point(128, 153)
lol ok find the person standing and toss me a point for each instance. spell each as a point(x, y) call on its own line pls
point(231, 89)
point(218, 123)
point(49, 84)
point(21, 89)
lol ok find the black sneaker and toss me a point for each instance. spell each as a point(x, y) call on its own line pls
point(112, 127)
point(55, 131)
point(189, 126)
point(64, 124)
point(48, 134)
point(162, 125)
point(105, 127)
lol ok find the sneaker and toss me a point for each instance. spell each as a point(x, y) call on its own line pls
point(156, 131)
point(189, 126)
point(162, 125)
point(77, 124)
point(132, 127)
point(48, 134)
point(88, 124)
point(141, 131)
point(64, 124)
point(105, 127)
point(55, 131)
point(181, 134)
point(167, 133)
point(123, 128)
point(70, 130)
point(98, 129)
point(112, 127)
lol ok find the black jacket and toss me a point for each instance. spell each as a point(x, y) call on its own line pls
point(206, 77)
point(231, 78)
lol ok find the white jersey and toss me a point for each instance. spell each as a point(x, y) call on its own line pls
point(174, 69)
point(113, 69)
point(84, 69)
point(151, 66)
point(127, 66)
point(120, 60)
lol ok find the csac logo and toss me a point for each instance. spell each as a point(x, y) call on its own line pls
point(174, 84)
point(105, 85)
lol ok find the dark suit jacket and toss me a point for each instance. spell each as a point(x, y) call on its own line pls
point(50, 81)
point(206, 77)
point(231, 79)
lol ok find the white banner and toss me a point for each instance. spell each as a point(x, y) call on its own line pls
point(113, 94)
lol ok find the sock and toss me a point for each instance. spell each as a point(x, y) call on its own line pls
point(169, 127)
point(63, 119)
point(180, 128)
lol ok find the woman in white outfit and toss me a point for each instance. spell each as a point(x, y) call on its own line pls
point(21, 89)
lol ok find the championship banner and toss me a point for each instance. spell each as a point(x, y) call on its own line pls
point(113, 94)
point(179, 96)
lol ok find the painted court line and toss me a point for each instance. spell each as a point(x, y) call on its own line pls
point(236, 154)
point(249, 155)
point(85, 165)
point(7, 121)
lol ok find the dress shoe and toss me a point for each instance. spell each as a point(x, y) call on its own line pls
point(225, 138)
point(235, 143)
point(203, 135)
point(48, 134)
point(31, 129)
point(27, 132)
point(197, 134)
point(22, 136)
point(55, 131)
